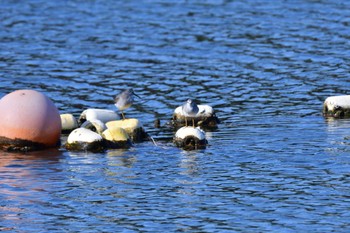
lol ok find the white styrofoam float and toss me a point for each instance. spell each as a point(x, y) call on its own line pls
point(116, 137)
point(84, 139)
point(132, 126)
point(95, 136)
point(337, 106)
point(68, 122)
point(190, 138)
point(103, 115)
point(94, 125)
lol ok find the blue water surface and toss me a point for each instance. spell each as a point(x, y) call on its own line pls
point(274, 164)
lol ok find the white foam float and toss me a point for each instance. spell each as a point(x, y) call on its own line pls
point(84, 139)
point(68, 122)
point(190, 138)
point(103, 115)
point(337, 106)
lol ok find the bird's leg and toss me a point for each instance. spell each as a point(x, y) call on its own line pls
point(123, 115)
point(193, 122)
point(185, 121)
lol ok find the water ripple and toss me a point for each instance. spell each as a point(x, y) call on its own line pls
point(274, 163)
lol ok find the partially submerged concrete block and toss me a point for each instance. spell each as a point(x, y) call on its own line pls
point(337, 106)
point(190, 138)
point(205, 117)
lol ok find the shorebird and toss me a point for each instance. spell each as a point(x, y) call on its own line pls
point(124, 100)
point(190, 109)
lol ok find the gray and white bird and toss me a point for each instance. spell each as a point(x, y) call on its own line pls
point(124, 100)
point(190, 109)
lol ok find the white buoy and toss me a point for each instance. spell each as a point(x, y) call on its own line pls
point(84, 139)
point(337, 106)
point(103, 115)
point(190, 138)
point(68, 122)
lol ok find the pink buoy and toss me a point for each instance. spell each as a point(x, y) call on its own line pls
point(28, 121)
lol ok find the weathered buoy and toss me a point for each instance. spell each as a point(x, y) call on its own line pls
point(190, 138)
point(103, 115)
point(205, 117)
point(94, 125)
point(68, 122)
point(116, 137)
point(29, 121)
point(337, 106)
point(82, 139)
point(133, 128)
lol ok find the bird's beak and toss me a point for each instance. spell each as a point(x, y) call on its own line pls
point(136, 95)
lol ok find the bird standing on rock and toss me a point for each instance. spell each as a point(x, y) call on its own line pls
point(124, 100)
point(190, 109)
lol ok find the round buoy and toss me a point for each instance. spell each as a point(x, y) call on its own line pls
point(28, 121)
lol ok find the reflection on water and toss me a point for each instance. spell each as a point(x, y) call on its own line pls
point(273, 165)
point(338, 138)
point(24, 177)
